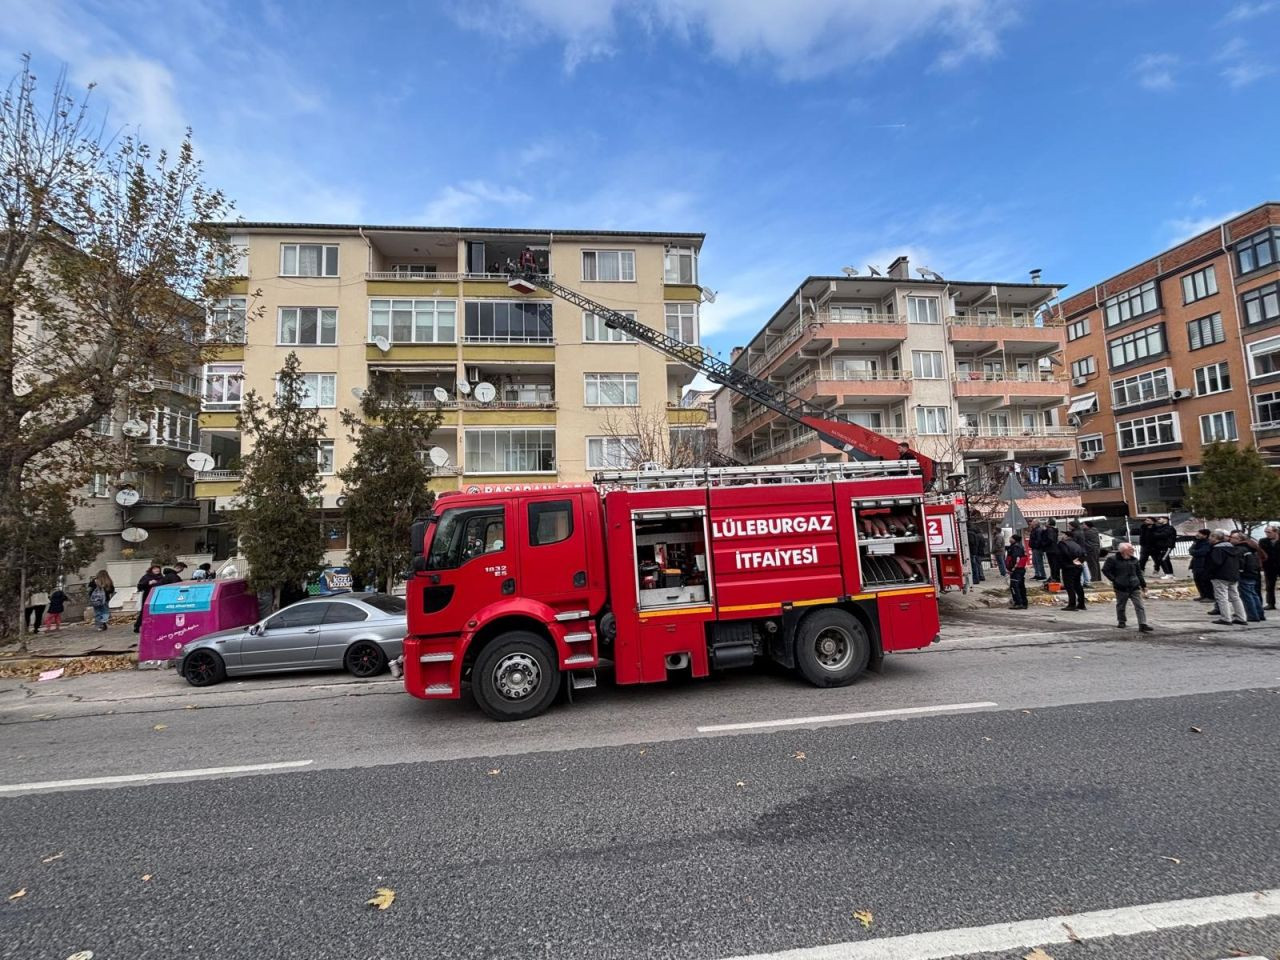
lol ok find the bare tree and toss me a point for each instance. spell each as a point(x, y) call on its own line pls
point(642, 435)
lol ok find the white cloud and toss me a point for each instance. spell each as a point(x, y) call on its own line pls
point(472, 202)
point(800, 39)
point(1241, 66)
point(1184, 228)
point(1247, 11)
point(1155, 71)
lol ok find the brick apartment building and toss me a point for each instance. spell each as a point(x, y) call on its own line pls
point(1174, 353)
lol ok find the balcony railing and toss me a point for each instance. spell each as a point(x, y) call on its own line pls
point(1265, 426)
point(546, 341)
point(438, 275)
point(862, 376)
point(219, 406)
point(1003, 376)
point(1015, 432)
point(1003, 321)
point(218, 475)
point(826, 316)
point(430, 403)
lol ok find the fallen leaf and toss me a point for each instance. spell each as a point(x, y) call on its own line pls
point(53, 857)
point(495, 771)
point(1196, 730)
point(146, 877)
point(161, 726)
point(1037, 954)
point(988, 739)
point(798, 755)
point(1071, 934)
point(81, 955)
point(382, 898)
point(864, 917)
point(19, 895)
point(1171, 859)
point(741, 783)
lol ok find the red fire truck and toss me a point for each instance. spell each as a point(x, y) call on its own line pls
point(524, 590)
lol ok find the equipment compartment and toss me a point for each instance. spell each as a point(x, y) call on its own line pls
point(891, 547)
point(671, 558)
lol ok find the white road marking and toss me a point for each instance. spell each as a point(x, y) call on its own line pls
point(151, 777)
point(1121, 922)
point(839, 717)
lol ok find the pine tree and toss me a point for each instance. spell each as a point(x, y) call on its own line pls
point(275, 518)
point(1235, 484)
point(385, 481)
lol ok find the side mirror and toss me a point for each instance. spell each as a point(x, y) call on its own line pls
point(255, 630)
point(417, 534)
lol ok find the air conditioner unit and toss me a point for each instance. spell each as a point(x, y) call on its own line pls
point(473, 374)
point(1073, 419)
point(1079, 381)
point(1087, 455)
point(1183, 394)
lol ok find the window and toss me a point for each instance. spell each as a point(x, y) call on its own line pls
point(463, 534)
point(998, 425)
point(550, 522)
point(1206, 331)
point(1148, 431)
point(223, 383)
point(926, 364)
point(1264, 357)
point(1198, 285)
point(1092, 444)
point(1162, 490)
point(509, 451)
point(595, 331)
point(871, 419)
point(225, 320)
point(612, 389)
point(528, 393)
point(850, 313)
point(414, 321)
point(324, 456)
point(105, 426)
point(343, 613)
point(682, 321)
point(922, 310)
point(1134, 347)
point(1144, 388)
point(308, 326)
point(1084, 367)
point(1267, 409)
point(612, 453)
point(413, 269)
point(1134, 302)
point(508, 321)
point(1215, 378)
point(609, 266)
point(679, 265)
point(1078, 328)
point(298, 615)
point(318, 389)
point(234, 260)
point(1261, 305)
point(1217, 427)
point(100, 486)
point(855, 368)
point(308, 260)
point(172, 427)
point(1099, 481)
point(380, 601)
point(931, 420)
point(1258, 251)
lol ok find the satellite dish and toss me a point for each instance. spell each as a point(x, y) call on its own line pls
point(133, 534)
point(441, 395)
point(143, 386)
point(708, 295)
point(485, 392)
point(382, 343)
point(134, 428)
point(463, 387)
point(128, 497)
point(849, 271)
point(439, 456)
point(200, 462)
point(358, 392)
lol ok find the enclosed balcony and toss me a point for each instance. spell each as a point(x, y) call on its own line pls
point(1019, 333)
point(1004, 384)
point(823, 333)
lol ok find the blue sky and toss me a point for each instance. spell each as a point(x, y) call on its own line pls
point(982, 137)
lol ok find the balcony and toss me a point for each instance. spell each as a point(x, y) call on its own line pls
point(211, 484)
point(839, 384)
point(1003, 439)
point(868, 331)
point(164, 513)
point(984, 333)
point(1003, 386)
point(1266, 429)
point(681, 416)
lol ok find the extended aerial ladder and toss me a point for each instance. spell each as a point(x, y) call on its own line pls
point(857, 441)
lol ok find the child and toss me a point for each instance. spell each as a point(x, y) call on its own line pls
point(57, 602)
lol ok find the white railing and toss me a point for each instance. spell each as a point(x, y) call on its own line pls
point(1004, 321)
point(1264, 425)
point(1004, 376)
point(438, 275)
point(826, 316)
point(1014, 433)
point(218, 475)
point(512, 341)
point(219, 406)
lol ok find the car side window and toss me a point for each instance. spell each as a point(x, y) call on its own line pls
point(344, 613)
point(550, 522)
point(301, 615)
point(466, 533)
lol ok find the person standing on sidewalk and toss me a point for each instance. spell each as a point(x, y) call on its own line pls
point(1271, 565)
point(1051, 552)
point(1070, 554)
point(57, 604)
point(1250, 576)
point(1144, 542)
point(1125, 574)
point(1035, 540)
point(1199, 554)
point(1093, 549)
point(151, 578)
point(1016, 560)
point(978, 551)
point(1163, 538)
point(37, 600)
point(101, 590)
point(1224, 571)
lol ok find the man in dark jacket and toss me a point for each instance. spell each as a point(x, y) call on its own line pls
point(1163, 537)
point(1070, 554)
point(1051, 550)
point(1144, 542)
point(1270, 545)
point(1224, 572)
point(1125, 574)
point(1199, 553)
point(151, 578)
point(978, 551)
point(1015, 559)
point(1035, 541)
point(1093, 549)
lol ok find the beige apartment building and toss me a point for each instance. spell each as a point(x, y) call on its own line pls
point(357, 303)
point(967, 372)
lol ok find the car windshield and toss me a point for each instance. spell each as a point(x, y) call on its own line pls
point(386, 604)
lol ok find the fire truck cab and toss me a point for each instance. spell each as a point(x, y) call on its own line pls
point(824, 568)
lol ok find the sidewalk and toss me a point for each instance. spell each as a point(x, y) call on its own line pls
point(80, 639)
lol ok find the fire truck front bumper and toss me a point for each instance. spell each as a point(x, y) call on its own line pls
point(432, 668)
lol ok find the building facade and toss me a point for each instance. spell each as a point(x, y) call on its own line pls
point(1171, 354)
point(962, 370)
point(357, 303)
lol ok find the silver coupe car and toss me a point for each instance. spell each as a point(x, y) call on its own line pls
point(358, 632)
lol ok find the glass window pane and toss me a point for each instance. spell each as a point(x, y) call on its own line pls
point(288, 325)
point(330, 261)
point(289, 260)
point(307, 325)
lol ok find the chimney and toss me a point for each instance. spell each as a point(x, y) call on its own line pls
point(1035, 275)
point(898, 269)
point(735, 353)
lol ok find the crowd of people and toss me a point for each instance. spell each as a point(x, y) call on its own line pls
point(1231, 570)
point(44, 610)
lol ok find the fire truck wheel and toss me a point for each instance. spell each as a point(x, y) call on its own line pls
point(832, 648)
point(514, 677)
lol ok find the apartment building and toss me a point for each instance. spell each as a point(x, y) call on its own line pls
point(1176, 352)
point(963, 370)
point(360, 302)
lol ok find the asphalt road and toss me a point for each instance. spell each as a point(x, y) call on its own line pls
point(613, 828)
